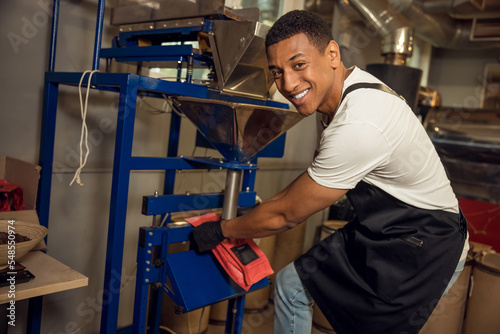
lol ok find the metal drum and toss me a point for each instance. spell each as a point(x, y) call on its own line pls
point(330, 226)
point(319, 321)
point(288, 247)
point(484, 301)
point(403, 79)
point(184, 323)
point(218, 313)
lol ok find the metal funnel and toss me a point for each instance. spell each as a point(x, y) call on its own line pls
point(237, 130)
point(240, 60)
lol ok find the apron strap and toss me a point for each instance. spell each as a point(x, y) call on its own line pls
point(378, 86)
point(359, 85)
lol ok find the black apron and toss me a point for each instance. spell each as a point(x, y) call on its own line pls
point(386, 270)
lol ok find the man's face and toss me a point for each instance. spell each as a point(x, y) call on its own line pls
point(303, 74)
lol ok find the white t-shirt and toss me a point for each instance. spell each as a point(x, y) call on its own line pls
point(375, 137)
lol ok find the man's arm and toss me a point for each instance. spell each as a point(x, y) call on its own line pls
point(296, 203)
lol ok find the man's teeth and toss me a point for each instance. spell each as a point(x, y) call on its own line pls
point(301, 95)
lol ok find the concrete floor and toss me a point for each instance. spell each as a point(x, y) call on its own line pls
point(258, 320)
point(258, 323)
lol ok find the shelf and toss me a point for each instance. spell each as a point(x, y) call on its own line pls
point(51, 276)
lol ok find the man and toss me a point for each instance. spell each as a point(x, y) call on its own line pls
point(385, 271)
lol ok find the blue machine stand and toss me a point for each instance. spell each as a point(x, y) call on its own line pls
point(129, 86)
point(194, 279)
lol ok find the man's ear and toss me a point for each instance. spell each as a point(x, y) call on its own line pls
point(333, 52)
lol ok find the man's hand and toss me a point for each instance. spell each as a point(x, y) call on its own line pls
point(208, 235)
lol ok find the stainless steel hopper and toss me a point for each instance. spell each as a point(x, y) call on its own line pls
point(237, 130)
point(231, 42)
point(240, 58)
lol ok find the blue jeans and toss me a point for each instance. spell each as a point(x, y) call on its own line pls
point(293, 310)
point(293, 304)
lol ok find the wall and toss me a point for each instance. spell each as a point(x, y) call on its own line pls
point(458, 75)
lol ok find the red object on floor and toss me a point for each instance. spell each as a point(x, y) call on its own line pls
point(242, 259)
point(11, 196)
point(484, 221)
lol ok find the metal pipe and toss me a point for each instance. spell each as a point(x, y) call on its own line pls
point(53, 36)
point(435, 6)
point(98, 34)
point(440, 30)
point(395, 59)
point(396, 30)
point(380, 14)
point(229, 210)
point(397, 46)
point(231, 193)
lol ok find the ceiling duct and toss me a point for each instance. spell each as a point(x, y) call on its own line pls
point(441, 6)
point(441, 30)
point(396, 30)
point(323, 8)
point(430, 20)
point(464, 9)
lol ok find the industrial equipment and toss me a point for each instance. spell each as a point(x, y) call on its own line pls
point(229, 107)
point(200, 33)
point(469, 146)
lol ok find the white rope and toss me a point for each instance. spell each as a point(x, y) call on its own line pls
point(167, 329)
point(85, 132)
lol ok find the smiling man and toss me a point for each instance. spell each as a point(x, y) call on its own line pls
point(384, 271)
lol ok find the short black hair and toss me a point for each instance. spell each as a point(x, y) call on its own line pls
point(300, 21)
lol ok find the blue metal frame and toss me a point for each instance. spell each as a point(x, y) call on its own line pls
point(129, 86)
point(129, 38)
point(126, 48)
point(98, 35)
point(53, 36)
point(155, 53)
point(183, 271)
point(34, 315)
point(158, 205)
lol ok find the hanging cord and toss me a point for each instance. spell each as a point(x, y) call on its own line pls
point(201, 321)
point(85, 132)
point(168, 330)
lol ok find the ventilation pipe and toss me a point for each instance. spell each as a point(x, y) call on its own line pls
point(394, 20)
point(397, 20)
point(395, 29)
point(449, 5)
point(439, 29)
point(397, 45)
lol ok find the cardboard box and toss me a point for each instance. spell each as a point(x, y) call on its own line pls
point(25, 175)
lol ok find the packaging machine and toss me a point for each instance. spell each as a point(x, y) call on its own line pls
point(229, 107)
